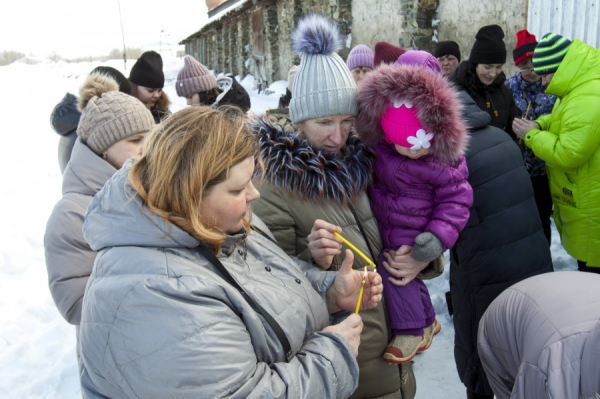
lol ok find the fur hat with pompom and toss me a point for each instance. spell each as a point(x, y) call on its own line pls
point(323, 85)
point(107, 115)
point(419, 97)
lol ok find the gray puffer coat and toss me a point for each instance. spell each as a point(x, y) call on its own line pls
point(541, 338)
point(69, 259)
point(160, 321)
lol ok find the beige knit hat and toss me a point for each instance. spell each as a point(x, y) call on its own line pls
point(193, 78)
point(108, 115)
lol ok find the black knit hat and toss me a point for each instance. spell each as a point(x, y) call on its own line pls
point(447, 48)
point(489, 48)
point(124, 85)
point(148, 71)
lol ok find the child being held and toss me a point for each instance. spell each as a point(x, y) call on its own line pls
point(420, 196)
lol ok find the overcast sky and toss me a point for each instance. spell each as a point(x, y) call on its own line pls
point(80, 28)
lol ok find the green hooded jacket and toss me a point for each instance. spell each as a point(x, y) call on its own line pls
point(569, 142)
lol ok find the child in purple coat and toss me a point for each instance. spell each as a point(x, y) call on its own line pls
point(420, 196)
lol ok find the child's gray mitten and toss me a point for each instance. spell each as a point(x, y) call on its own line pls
point(427, 247)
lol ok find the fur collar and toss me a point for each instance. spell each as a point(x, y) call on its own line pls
point(439, 107)
point(292, 165)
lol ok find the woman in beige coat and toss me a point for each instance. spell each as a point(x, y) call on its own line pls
point(315, 183)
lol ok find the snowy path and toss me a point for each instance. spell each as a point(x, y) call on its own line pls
point(37, 347)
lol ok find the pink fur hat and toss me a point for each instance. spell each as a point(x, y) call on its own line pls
point(435, 104)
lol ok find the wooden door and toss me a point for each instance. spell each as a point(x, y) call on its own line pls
point(258, 50)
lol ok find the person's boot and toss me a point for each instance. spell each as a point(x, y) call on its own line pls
point(408, 382)
point(430, 332)
point(403, 348)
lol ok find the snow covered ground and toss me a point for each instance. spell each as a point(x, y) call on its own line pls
point(37, 347)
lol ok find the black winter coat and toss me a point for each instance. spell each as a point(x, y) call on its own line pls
point(502, 243)
point(496, 99)
point(64, 120)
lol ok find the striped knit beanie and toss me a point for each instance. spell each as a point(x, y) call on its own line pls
point(549, 53)
point(323, 85)
point(525, 46)
point(193, 78)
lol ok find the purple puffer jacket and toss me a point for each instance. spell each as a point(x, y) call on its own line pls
point(411, 196)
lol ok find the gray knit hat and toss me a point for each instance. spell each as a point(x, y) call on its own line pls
point(108, 115)
point(194, 78)
point(323, 85)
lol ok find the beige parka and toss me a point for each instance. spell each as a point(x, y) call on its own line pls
point(302, 185)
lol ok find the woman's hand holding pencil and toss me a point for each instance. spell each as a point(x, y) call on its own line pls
point(354, 289)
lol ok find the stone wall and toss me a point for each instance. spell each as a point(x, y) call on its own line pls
point(404, 23)
point(226, 45)
point(459, 20)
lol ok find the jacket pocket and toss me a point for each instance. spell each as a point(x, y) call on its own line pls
point(564, 189)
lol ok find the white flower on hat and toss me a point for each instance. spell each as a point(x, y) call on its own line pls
point(423, 140)
point(400, 103)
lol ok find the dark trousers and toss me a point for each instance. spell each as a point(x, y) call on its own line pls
point(583, 267)
point(543, 200)
point(473, 395)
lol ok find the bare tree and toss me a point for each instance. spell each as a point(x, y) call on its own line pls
point(8, 57)
point(133, 53)
point(115, 54)
point(54, 57)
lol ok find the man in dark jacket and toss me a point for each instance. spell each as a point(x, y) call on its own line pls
point(502, 243)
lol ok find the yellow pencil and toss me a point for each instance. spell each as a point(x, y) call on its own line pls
point(369, 261)
point(360, 294)
point(526, 113)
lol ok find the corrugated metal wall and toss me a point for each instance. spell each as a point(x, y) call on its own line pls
point(574, 19)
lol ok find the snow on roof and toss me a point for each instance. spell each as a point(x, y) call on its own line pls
point(217, 17)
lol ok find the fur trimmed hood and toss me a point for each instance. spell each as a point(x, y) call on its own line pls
point(292, 165)
point(437, 101)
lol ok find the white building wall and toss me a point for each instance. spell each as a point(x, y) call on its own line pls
point(461, 19)
point(375, 21)
point(574, 19)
